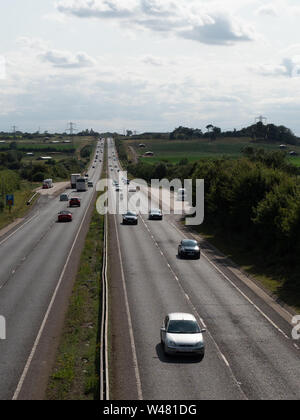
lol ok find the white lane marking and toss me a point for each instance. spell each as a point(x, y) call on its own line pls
point(41, 330)
point(135, 361)
point(238, 289)
point(17, 230)
point(219, 352)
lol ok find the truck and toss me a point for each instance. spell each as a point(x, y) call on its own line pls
point(74, 178)
point(81, 184)
point(47, 183)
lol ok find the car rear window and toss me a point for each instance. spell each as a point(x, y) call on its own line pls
point(183, 327)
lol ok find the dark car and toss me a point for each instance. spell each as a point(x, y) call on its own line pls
point(189, 248)
point(65, 216)
point(130, 218)
point(155, 214)
point(74, 202)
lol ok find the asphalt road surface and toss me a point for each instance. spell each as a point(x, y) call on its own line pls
point(249, 350)
point(32, 260)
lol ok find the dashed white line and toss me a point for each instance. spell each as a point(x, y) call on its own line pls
point(238, 289)
point(219, 352)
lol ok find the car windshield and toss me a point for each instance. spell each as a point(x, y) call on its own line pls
point(189, 243)
point(130, 214)
point(183, 327)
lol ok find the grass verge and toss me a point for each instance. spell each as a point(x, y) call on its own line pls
point(20, 207)
point(76, 371)
point(271, 277)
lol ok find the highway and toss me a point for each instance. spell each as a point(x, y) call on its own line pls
point(249, 350)
point(33, 258)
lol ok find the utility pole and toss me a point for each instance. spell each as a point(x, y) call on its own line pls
point(14, 130)
point(71, 129)
point(261, 119)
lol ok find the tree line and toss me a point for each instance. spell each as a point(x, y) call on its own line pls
point(258, 132)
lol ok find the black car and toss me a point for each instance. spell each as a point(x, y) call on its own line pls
point(189, 248)
point(130, 218)
point(155, 214)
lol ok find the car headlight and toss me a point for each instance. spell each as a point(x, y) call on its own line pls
point(199, 345)
point(171, 343)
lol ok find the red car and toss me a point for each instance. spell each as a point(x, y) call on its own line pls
point(74, 202)
point(65, 216)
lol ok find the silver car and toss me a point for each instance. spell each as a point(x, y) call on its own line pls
point(181, 334)
point(64, 197)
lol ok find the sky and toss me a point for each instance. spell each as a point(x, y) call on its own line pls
point(148, 65)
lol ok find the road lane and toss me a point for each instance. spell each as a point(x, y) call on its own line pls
point(260, 358)
point(33, 260)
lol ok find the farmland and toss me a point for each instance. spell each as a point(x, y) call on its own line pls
point(20, 173)
point(193, 150)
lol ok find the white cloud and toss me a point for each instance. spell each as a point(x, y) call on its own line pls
point(222, 30)
point(67, 60)
point(98, 8)
point(153, 61)
point(58, 58)
point(289, 67)
point(267, 10)
point(190, 20)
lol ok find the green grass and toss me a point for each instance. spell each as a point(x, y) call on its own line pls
point(253, 263)
point(76, 372)
point(193, 150)
point(35, 147)
point(20, 207)
point(295, 160)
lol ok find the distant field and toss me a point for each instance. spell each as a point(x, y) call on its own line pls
point(295, 160)
point(57, 151)
point(174, 151)
point(35, 147)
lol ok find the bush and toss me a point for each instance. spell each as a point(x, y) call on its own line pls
point(38, 177)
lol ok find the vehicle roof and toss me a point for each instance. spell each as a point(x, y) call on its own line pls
point(189, 240)
point(176, 316)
